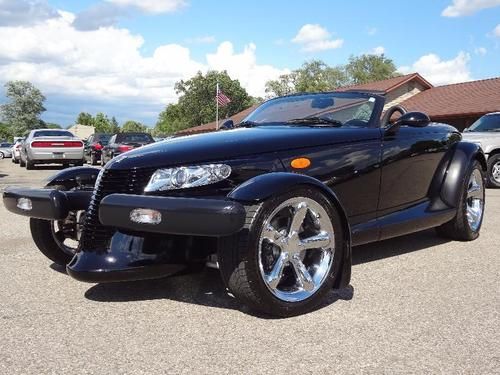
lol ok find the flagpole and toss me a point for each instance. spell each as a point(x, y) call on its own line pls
point(217, 110)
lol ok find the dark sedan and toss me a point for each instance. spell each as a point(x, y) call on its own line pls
point(123, 142)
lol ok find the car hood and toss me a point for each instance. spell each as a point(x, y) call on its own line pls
point(231, 144)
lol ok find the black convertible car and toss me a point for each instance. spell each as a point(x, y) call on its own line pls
point(276, 202)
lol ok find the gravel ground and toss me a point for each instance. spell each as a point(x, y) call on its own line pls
point(417, 304)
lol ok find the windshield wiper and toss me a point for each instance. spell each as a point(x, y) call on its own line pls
point(314, 121)
point(247, 124)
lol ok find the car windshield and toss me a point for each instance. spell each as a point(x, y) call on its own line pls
point(135, 138)
point(103, 138)
point(328, 109)
point(489, 123)
point(52, 133)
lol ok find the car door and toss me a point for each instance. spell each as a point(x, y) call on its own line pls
point(410, 158)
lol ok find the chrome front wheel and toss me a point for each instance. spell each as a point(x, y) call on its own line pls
point(296, 249)
point(475, 200)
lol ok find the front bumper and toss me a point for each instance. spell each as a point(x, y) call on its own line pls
point(134, 251)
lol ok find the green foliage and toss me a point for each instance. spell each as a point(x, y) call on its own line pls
point(133, 126)
point(102, 124)
point(85, 118)
point(115, 128)
point(317, 76)
point(5, 133)
point(51, 125)
point(197, 104)
point(22, 112)
point(369, 68)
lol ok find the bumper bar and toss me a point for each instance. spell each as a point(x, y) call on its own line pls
point(183, 216)
point(49, 204)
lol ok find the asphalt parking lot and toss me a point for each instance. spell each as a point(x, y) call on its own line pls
point(416, 304)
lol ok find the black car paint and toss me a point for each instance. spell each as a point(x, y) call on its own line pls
point(384, 182)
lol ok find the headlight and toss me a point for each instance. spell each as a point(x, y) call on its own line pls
point(187, 177)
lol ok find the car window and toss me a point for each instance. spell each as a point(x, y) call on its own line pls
point(135, 137)
point(51, 133)
point(486, 124)
point(103, 138)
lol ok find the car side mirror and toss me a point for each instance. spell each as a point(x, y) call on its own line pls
point(413, 119)
point(465, 130)
point(226, 125)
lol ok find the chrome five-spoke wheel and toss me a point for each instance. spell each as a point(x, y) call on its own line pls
point(475, 200)
point(296, 249)
point(495, 172)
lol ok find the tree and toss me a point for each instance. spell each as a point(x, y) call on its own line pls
point(115, 128)
point(169, 121)
point(369, 68)
point(51, 125)
point(85, 118)
point(22, 112)
point(317, 76)
point(133, 126)
point(102, 123)
point(197, 97)
point(5, 132)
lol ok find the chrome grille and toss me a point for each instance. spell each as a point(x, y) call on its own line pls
point(96, 236)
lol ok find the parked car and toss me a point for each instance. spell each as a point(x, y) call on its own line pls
point(16, 150)
point(485, 132)
point(123, 142)
point(276, 203)
point(51, 146)
point(5, 150)
point(94, 146)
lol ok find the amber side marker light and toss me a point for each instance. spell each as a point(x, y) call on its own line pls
point(300, 163)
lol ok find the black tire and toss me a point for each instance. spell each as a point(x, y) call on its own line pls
point(1, 155)
point(93, 159)
point(459, 228)
point(29, 164)
point(239, 263)
point(489, 178)
point(103, 161)
point(22, 164)
point(79, 164)
point(41, 232)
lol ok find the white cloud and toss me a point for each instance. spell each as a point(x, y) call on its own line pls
point(467, 7)
point(496, 31)
point(315, 38)
point(107, 66)
point(480, 51)
point(152, 6)
point(372, 30)
point(380, 50)
point(243, 66)
point(25, 12)
point(441, 72)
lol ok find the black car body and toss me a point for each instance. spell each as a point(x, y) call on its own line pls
point(123, 142)
point(277, 202)
point(94, 146)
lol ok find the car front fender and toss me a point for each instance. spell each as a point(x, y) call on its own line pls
point(465, 153)
point(262, 187)
point(73, 177)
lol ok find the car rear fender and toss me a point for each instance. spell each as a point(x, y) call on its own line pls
point(264, 186)
point(464, 153)
point(74, 177)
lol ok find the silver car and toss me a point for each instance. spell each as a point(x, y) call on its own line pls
point(5, 150)
point(51, 146)
point(486, 133)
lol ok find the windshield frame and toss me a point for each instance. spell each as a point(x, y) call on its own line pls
point(373, 122)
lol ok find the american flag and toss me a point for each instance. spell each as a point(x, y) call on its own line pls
point(221, 98)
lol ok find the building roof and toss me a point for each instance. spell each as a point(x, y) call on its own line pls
point(211, 126)
point(81, 131)
point(389, 84)
point(459, 99)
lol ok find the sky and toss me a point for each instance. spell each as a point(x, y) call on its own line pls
point(123, 57)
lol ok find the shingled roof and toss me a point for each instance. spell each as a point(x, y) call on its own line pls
point(211, 126)
point(389, 84)
point(458, 100)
